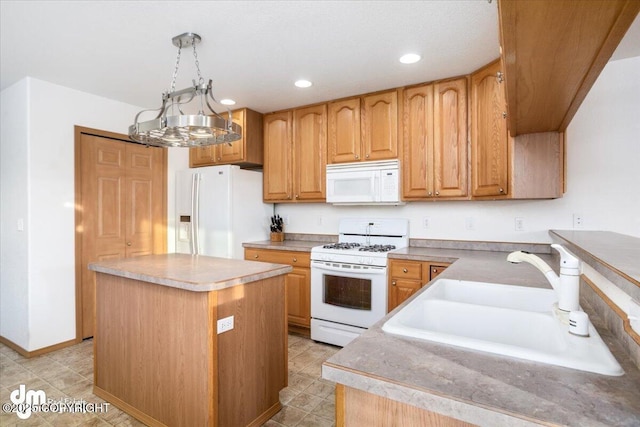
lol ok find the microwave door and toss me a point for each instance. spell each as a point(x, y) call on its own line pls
point(352, 187)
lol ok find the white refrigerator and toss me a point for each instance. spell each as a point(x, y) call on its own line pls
point(218, 208)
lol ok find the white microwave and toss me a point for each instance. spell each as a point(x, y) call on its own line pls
point(364, 183)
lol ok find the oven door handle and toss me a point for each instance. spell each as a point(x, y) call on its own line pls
point(369, 271)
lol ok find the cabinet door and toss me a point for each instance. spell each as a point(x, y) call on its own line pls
point(489, 144)
point(400, 290)
point(379, 120)
point(344, 131)
point(450, 138)
point(277, 157)
point(417, 139)
point(310, 158)
point(298, 284)
point(435, 270)
point(202, 156)
point(234, 152)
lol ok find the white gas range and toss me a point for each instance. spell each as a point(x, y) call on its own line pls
point(349, 278)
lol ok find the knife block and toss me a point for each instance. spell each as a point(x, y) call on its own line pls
point(277, 236)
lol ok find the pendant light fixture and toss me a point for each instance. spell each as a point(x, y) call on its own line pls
point(173, 128)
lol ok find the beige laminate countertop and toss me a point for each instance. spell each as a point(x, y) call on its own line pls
point(481, 388)
point(190, 272)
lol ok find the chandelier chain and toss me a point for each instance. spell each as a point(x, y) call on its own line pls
point(175, 71)
point(195, 56)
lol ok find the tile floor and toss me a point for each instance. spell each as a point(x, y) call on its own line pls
point(68, 374)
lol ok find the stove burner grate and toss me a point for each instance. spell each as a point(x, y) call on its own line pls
point(343, 245)
point(377, 248)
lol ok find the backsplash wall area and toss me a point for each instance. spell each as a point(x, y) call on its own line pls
point(603, 154)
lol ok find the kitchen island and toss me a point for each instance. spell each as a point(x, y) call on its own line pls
point(158, 355)
point(386, 380)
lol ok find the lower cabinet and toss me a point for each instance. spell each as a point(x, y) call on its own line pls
point(407, 277)
point(297, 282)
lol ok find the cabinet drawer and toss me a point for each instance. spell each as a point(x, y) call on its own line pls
point(300, 259)
point(406, 270)
point(434, 270)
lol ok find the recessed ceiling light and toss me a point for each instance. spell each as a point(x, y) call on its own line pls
point(227, 102)
point(410, 58)
point(303, 83)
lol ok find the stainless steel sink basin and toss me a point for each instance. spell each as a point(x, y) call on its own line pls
point(507, 320)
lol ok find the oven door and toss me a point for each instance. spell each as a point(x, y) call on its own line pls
point(346, 293)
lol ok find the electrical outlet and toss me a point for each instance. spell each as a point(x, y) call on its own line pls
point(285, 219)
point(469, 223)
point(320, 220)
point(225, 324)
point(519, 224)
point(578, 220)
point(425, 222)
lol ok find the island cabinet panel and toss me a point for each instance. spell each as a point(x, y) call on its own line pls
point(358, 408)
point(158, 355)
point(251, 371)
point(152, 351)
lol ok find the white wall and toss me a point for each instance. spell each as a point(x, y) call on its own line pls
point(38, 279)
point(603, 180)
point(14, 207)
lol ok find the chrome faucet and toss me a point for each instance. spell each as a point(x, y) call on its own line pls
point(567, 285)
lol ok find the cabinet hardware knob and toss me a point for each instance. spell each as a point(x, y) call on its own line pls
point(404, 270)
point(256, 256)
point(288, 197)
point(437, 193)
point(435, 271)
point(128, 243)
point(219, 158)
point(297, 196)
point(393, 283)
point(295, 259)
point(357, 157)
point(430, 193)
point(501, 190)
point(367, 156)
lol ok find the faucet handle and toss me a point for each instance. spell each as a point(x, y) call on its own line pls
point(567, 259)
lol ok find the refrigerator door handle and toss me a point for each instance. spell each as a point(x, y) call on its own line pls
point(195, 212)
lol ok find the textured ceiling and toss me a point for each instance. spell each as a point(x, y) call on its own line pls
point(252, 50)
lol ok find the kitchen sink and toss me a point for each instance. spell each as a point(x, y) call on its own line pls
point(508, 320)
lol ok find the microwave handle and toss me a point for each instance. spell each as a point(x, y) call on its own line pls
point(375, 187)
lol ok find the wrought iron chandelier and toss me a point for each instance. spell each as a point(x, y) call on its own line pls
point(173, 128)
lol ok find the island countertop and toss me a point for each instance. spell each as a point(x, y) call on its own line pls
point(190, 272)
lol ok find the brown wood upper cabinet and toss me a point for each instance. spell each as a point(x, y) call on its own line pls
point(434, 141)
point(295, 144)
point(364, 128)
point(489, 144)
point(553, 52)
point(246, 152)
point(525, 167)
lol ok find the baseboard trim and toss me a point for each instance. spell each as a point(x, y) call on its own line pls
point(129, 409)
point(38, 352)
